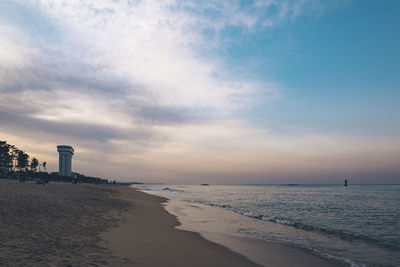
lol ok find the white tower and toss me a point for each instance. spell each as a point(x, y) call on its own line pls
point(64, 160)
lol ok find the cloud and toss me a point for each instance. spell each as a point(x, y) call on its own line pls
point(141, 84)
point(115, 62)
point(72, 130)
point(149, 53)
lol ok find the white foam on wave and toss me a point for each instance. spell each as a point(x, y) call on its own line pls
point(157, 190)
point(248, 214)
point(279, 221)
point(149, 191)
point(252, 215)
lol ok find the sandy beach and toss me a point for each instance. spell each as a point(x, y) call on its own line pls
point(56, 224)
point(102, 225)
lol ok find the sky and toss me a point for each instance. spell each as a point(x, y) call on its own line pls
point(219, 92)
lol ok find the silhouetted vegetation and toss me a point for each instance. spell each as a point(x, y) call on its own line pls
point(34, 164)
point(14, 164)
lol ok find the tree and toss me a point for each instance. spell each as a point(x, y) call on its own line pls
point(34, 164)
point(44, 165)
point(23, 159)
point(3, 157)
point(6, 158)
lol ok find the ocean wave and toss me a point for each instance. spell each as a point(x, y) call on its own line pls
point(342, 259)
point(303, 245)
point(311, 228)
point(161, 190)
point(249, 214)
point(341, 234)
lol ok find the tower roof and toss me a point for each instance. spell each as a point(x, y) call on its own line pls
point(65, 148)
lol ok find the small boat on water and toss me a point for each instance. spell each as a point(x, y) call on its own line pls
point(204, 184)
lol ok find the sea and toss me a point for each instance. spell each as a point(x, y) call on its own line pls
point(357, 225)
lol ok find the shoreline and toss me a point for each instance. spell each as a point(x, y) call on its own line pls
point(151, 223)
point(146, 236)
point(266, 253)
point(62, 224)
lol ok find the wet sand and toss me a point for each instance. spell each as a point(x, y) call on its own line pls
point(147, 237)
point(213, 223)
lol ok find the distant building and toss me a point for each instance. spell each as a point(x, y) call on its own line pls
point(64, 160)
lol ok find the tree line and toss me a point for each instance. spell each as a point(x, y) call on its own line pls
point(15, 164)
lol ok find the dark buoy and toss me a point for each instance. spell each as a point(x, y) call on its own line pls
point(345, 182)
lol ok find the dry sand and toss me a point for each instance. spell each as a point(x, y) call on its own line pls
point(56, 224)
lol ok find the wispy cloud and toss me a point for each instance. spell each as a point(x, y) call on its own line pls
point(119, 62)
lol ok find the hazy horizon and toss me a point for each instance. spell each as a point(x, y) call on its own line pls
point(219, 92)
